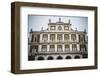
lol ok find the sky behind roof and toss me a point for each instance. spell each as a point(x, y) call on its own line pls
point(36, 22)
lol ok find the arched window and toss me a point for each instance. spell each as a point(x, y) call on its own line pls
point(45, 37)
point(77, 57)
point(40, 58)
point(59, 57)
point(73, 37)
point(66, 37)
point(68, 57)
point(59, 37)
point(52, 37)
point(59, 28)
point(34, 49)
point(50, 58)
point(85, 56)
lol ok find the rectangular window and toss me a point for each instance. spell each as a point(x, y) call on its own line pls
point(52, 28)
point(52, 48)
point(66, 28)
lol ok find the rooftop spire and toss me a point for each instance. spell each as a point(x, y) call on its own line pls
point(69, 21)
point(49, 20)
point(59, 19)
point(42, 28)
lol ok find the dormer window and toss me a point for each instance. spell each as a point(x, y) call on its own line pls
point(59, 28)
point(66, 28)
point(52, 28)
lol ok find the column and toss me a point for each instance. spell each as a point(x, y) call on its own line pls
point(48, 37)
point(70, 47)
point(63, 47)
point(63, 37)
point(40, 37)
point(78, 47)
point(48, 47)
point(77, 37)
point(56, 37)
point(39, 48)
point(55, 47)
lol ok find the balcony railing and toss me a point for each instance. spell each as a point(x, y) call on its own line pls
point(47, 41)
point(60, 51)
point(51, 50)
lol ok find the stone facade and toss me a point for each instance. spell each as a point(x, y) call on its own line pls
point(58, 41)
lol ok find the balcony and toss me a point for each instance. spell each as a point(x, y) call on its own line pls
point(51, 41)
point(52, 50)
point(44, 50)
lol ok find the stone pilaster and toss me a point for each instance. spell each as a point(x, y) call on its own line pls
point(63, 47)
point(56, 37)
point(48, 47)
point(70, 47)
point(78, 47)
point(48, 37)
point(77, 37)
point(40, 37)
point(70, 37)
point(39, 48)
point(63, 37)
point(55, 47)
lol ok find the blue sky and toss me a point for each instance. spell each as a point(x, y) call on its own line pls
point(36, 22)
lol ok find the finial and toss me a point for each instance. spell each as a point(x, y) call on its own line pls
point(69, 21)
point(76, 29)
point(41, 28)
point(49, 20)
point(31, 30)
point(59, 19)
point(84, 30)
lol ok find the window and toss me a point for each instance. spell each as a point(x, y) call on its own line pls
point(73, 37)
point(74, 47)
point(35, 38)
point(52, 48)
point(45, 37)
point(34, 49)
point(82, 47)
point(66, 37)
point(59, 37)
point(44, 48)
point(40, 58)
point(52, 28)
point(77, 57)
point(59, 28)
point(68, 57)
point(59, 57)
point(59, 48)
point(66, 28)
point(66, 47)
point(52, 37)
point(50, 58)
point(81, 38)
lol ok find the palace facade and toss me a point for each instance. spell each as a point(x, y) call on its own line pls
point(58, 41)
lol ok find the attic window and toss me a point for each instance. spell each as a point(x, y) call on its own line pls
point(59, 28)
point(66, 27)
point(52, 28)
